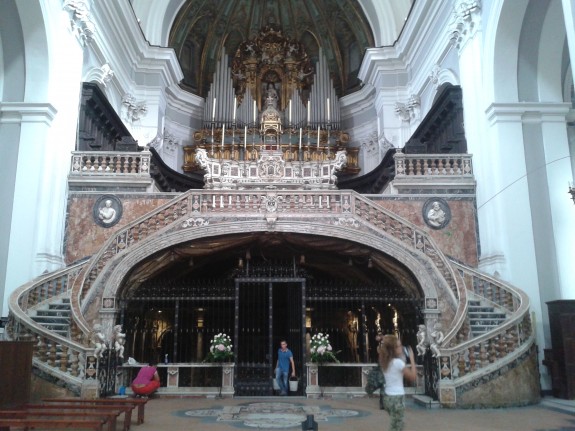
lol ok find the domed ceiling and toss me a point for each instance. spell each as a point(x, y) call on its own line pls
point(203, 27)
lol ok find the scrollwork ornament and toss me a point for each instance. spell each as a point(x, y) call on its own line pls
point(346, 222)
point(195, 222)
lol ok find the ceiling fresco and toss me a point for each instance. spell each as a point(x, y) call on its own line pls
point(202, 28)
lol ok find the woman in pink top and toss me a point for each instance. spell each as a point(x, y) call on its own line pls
point(147, 381)
point(395, 370)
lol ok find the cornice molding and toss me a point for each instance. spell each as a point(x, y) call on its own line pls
point(134, 56)
point(23, 112)
point(357, 102)
point(521, 111)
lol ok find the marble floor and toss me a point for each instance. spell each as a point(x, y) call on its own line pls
point(287, 413)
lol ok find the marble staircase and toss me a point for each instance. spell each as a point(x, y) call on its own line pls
point(55, 316)
point(484, 318)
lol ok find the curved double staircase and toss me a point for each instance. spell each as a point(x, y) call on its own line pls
point(488, 337)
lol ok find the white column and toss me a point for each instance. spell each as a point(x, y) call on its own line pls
point(34, 120)
point(558, 173)
point(569, 15)
point(466, 35)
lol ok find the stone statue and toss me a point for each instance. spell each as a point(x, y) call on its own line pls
point(339, 161)
point(435, 216)
point(271, 96)
point(436, 339)
point(107, 214)
point(351, 331)
point(421, 340)
point(119, 340)
point(99, 340)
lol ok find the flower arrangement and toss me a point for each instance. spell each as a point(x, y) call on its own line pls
point(321, 350)
point(220, 349)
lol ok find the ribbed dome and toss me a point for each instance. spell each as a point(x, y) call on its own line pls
point(203, 27)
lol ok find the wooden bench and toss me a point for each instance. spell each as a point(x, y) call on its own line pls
point(108, 418)
point(37, 422)
point(135, 402)
point(112, 410)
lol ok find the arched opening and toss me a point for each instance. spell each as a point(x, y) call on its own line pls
point(260, 289)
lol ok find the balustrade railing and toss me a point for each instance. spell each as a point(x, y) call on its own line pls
point(110, 163)
point(66, 358)
point(448, 165)
point(55, 354)
point(461, 362)
point(194, 208)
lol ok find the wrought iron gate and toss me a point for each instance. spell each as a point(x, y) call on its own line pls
point(431, 375)
point(107, 373)
point(266, 311)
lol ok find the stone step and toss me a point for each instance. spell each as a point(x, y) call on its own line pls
point(53, 312)
point(487, 313)
point(64, 320)
point(58, 306)
point(55, 327)
point(480, 309)
point(486, 320)
point(426, 401)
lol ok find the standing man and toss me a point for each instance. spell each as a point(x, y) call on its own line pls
point(285, 358)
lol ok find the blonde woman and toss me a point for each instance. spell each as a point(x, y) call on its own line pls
point(395, 370)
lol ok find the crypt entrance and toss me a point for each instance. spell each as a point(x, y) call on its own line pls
point(260, 288)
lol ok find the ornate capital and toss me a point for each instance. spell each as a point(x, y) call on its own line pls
point(409, 110)
point(465, 21)
point(133, 110)
point(81, 22)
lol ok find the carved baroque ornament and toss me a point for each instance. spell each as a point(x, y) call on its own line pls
point(465, 21)
point(409, 110)
point(81, 22)
point(271, 59)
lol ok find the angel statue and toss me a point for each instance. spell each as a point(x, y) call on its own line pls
point(99, 340)
point(119, 340)
point(437, 339)
point(421, 340)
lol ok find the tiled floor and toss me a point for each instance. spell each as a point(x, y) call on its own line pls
point(231, 414)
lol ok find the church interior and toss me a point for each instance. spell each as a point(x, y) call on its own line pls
point(187, 171)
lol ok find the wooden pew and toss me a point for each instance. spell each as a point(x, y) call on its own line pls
point(115, 410)
point(108, 418)
point(37, 422)
point(135, 402)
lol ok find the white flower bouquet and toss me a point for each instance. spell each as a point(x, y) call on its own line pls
point(321, 350)
point(220, 349)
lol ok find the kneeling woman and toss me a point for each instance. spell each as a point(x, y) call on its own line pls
point(147, 381)
point(395, 370)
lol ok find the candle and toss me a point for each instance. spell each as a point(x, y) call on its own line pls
point(255, 111)
point(327, 104)
point(290, 111)
point(235, 107)
point(214, 110)
point(318, 137)
point(300, 131)
point(245, 137)
point(308, 110)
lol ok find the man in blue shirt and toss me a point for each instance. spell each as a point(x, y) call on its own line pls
point(285, 358)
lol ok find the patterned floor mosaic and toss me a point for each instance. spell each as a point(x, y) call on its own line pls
point(271, 415)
